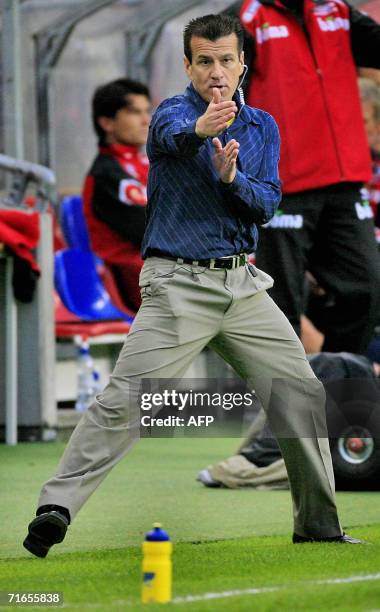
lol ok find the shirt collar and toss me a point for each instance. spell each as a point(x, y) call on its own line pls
point(245, 113)
point(127, 151)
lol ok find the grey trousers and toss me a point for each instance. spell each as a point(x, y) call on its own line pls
point(183, 310)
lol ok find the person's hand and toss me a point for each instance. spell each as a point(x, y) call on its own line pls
point(215, 120)
point(225, 159)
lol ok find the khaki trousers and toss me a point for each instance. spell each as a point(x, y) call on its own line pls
point(185, 308)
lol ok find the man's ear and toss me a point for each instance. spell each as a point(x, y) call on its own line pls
point(106, 123)
point(241, 60)
point(187, 65)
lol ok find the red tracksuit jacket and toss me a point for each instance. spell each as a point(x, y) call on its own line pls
point(304, 74)
point(114, 196)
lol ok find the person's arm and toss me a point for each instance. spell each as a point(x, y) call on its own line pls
point(119, 201)
point(365, 39)
point(173, 133)
point(260, 195)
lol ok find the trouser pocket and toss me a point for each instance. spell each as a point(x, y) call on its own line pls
point(261, 280)
point(154, 276)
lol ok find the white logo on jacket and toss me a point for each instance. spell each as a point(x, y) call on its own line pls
point(363, 208)
point(266, 32)
point(332, 24)
point(363, 211)
point(250, 12)
point(285, 221)
point(132, 192)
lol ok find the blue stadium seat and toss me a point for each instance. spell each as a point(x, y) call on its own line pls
point(73, 223)
point(81, 289)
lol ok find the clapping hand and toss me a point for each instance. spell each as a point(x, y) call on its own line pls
point(225, 159)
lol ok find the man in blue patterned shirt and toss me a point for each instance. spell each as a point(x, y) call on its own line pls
point(210, 183)
point(213, 177)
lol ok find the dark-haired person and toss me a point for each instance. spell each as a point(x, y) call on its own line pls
point(114, 192)
point(302, 70)
point(213, 176)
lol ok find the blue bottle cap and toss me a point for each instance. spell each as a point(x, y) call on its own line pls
point(157, 534)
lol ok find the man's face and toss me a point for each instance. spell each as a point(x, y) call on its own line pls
point(130, 124)
point(215, 64)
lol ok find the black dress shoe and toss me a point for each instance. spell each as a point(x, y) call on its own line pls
point(342, 539)
point(45, 530)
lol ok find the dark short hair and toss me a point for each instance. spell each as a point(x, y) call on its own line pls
point(212, 27)
point(111, 97)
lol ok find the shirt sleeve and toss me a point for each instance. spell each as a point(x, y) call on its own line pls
point(120, 201)
point(172, 132)
point(260, 195)
point(365, 39)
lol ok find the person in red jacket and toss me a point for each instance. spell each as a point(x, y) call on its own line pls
point(303, 57)
point(114, 191)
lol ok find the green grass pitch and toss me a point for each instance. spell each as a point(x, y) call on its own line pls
point(230, 547)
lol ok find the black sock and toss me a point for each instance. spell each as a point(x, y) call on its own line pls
point(50, 507)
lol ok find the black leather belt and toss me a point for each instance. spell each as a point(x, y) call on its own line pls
point(218, 263)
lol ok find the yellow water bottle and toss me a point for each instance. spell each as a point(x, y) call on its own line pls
point(157, 566)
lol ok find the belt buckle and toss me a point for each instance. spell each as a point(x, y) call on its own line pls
point(235, 259)
point(212, 265)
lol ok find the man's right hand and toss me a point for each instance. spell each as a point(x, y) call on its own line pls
point(215, 119)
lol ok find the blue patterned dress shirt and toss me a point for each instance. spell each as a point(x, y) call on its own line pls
point(191, 212)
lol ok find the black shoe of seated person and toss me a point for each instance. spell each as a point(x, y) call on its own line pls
point(48, 528)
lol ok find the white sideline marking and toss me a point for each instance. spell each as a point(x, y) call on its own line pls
point(258, 591)
point(237, 592)
point(222, 594)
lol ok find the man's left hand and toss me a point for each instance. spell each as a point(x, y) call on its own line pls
point(224, 159)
